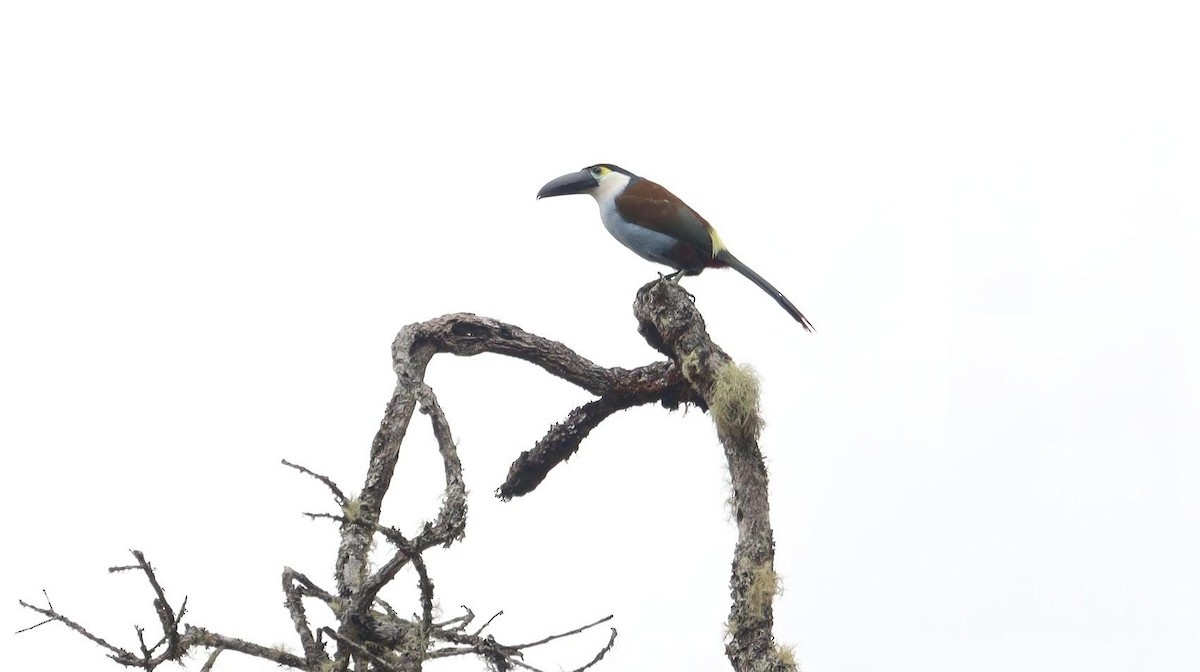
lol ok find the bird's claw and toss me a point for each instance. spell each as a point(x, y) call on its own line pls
point(673, 278)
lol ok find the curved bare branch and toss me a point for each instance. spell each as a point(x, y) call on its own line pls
point(370, 632)
point(670, 322)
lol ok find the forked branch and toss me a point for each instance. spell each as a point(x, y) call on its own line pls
point(368, 634)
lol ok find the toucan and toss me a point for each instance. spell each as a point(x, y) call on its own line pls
point(657, 225)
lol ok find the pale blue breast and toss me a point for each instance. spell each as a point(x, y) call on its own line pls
point(647, 243)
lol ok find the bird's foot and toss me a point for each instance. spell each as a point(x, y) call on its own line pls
point(672, 278)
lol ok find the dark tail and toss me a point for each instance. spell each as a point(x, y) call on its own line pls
point(757, 279)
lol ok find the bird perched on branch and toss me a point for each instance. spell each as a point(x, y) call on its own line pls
point(658, 226)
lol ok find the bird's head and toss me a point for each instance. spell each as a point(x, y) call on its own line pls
point(601, 180)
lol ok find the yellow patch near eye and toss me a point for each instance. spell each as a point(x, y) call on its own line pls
point(602, 171)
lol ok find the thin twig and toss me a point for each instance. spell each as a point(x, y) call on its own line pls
point(358, 649)
point(327, 516)
point(337, 492)
point(388, 608)
point(603, 652)
point(36, 625)
point(489, 622)
point(48, 620)
point(141, 636)
point(551, 638)
point(117, 652)
point(212, 659)
point(311, 589)
point(521, 663)
point(461, 621)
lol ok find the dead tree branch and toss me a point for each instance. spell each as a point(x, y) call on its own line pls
point(369, 634)
point(670, 322)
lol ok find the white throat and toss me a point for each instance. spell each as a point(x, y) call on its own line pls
point(612, 184)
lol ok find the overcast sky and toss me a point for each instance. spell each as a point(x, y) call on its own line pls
point(216, 217)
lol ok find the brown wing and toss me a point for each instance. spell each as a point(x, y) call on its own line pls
point(647, 204)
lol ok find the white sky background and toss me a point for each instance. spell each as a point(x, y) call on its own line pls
point(215, 218)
